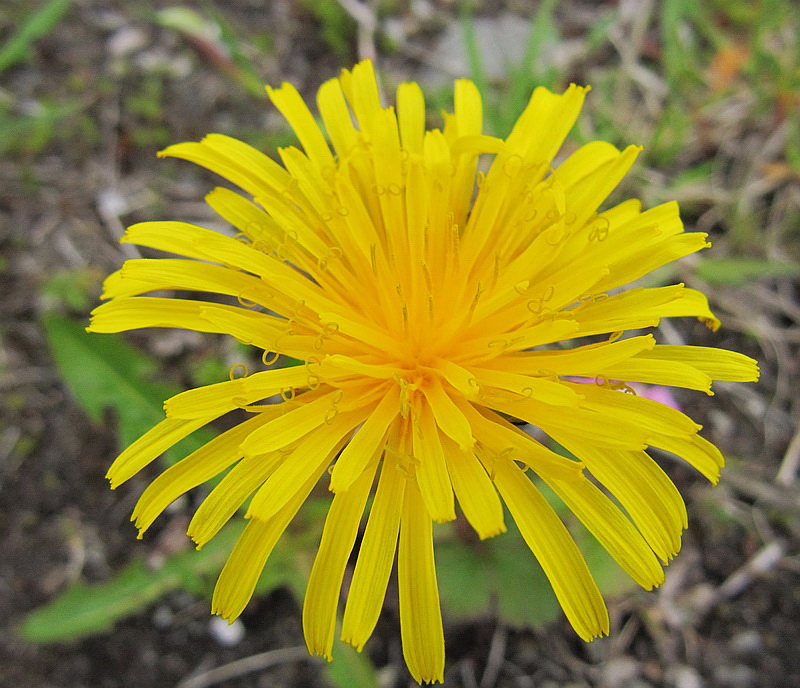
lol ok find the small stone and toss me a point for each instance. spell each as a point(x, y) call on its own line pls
point(618, 672)
point(126, 40)
point(227, 635)
point(423, 10)
point(735, 676)
point(683, 676)
point(747, 643)
point(162, 617)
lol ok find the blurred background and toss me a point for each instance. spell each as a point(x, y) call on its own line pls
point(90, 91)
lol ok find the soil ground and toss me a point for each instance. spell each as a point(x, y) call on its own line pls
point(729, 613)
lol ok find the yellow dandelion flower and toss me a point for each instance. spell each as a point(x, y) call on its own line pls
point(431, 305)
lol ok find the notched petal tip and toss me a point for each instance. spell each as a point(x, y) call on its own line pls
point(169, 151)
point(352, 642)
point(493, 533)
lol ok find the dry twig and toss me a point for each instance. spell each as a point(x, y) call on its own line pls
point(247, 665)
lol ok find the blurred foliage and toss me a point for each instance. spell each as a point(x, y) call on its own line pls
point(217, 41)
point(35, 25)
point(502, 106)
point(30, 133)
point(104, 372)
point(71, 290)
point(84, 610)
point(735, 272)
point(28, 128)
point(337, 28)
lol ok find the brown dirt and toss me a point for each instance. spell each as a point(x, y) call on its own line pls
point(729, 614)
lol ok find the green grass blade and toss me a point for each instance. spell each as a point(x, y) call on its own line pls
point(36, 25)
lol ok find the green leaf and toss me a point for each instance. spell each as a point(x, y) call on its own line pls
point(525, 597)
point(463, 573)
point(248, 75)
point(500, 570)
point(503, 572)
point(36, 25)
point(350, 668)
point(87, 609)
point(609, 576)
point(739, 271)
point(103, 371)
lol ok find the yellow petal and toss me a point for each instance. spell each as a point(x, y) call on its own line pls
point(467, 145)
point(201, 465)
point(660, 253)
point(631, 309)
point(170, 273)
point(300, 416)
point(420, 615)
point(325, 581)
point(203, 244)
point(556, 551)
point(367, 440)
point(655, 372)
point(461, 379)
point(368, 334)
point(448, 417)
point(255, 329)
point(411, 116)
point(315, 450)
point(595, 427)
point(518, 340)
point(643, 489)
point(592, 175)
point(241, 572)
point(546, 391)
point(247, 217)
point(375, 558)
point(431, 471)
point(652, 416)
point(696, 451)
point(229, 495)
point(504, 439)
point(240, 163)
point(361, 88)
point(474, 490)
point(416, 215)
point(691, 303)
point(293, 108)
point(468, 108)
point(352, 365)
point(718, 364)
point(545, 123)
point(582, 361)
point(225, 396)
point(129, 313)
point(150, 446)
point(612, 529)
point(336, 117)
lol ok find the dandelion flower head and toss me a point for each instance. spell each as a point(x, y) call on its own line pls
point(433, 308)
